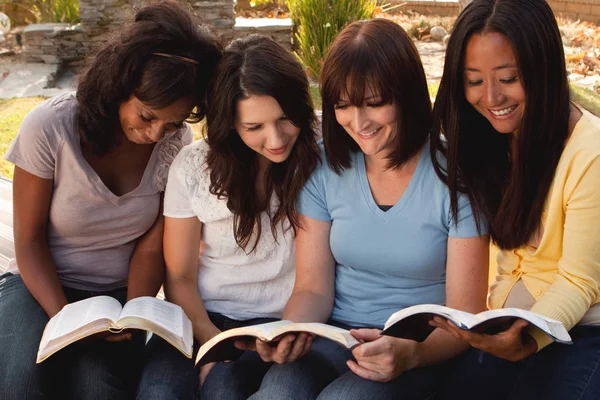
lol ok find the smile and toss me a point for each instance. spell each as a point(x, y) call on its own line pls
point(142, 138)
point(504, 111)
point(367, 134)
point(278, 151)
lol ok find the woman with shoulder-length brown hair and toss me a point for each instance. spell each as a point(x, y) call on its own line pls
point(235, 192)
point(377, 234)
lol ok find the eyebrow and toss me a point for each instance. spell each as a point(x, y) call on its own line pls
point(503, 66)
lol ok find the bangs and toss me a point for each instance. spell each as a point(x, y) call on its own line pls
point(352, 75)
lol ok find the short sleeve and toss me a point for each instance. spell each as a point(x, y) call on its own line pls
point(177, 194)
point(465, 226)
point(312, 201)
point(167, 151)
point(36, 144)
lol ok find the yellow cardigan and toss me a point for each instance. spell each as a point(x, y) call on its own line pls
point(563, 272)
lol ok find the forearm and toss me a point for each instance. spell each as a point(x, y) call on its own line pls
point(184, 292)
point(146, 275)
point(38, 271)
point(440, 346)
point(307, 306)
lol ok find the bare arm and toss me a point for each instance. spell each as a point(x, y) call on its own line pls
point(147, 264)
point(466, 290)
point(181, 248)
point(313, 294)
point(31, 201)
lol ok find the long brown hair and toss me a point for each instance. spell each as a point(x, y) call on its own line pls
point(510, 194)
point(256, 65)
point(380, 54)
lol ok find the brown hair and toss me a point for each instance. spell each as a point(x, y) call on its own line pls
point(129, 65)
point(375, 54)
point(256, 65)
point(510, 193)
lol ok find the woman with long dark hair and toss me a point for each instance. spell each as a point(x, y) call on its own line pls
point(377, 234)
point(529, 160)
point(235, 192)
point(90, 169)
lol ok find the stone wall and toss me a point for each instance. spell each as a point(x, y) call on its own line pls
point(587, 10)
point(278, 29)
point(218, 14)
point(55, 43)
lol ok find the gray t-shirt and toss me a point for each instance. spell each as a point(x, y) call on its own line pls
point(92, 233)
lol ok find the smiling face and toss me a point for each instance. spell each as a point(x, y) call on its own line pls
point(372, 125)
point(264, 127)
point(142, 124)
point(492, 81)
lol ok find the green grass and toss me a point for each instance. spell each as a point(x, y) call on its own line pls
point(587, 98)
point(12, 112)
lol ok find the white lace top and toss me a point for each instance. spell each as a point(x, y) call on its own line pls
point(239, 285)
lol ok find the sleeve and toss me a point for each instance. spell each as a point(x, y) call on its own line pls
point(177, 195)
point(312, 201)
point(36, 144)
point(576, 286)
point(466, 225)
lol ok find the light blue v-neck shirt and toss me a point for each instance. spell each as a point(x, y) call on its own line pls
point(385, 260)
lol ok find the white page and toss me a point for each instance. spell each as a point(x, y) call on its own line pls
point(165, 314)
point(462, 318)
point(76, 315)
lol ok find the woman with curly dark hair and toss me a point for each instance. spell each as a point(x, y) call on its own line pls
point(90, 168)
point(236, 192)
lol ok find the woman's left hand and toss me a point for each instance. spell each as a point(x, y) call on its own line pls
point(381, 358)
point(513, 344)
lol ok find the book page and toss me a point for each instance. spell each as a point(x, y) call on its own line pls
point(553, 328)
point(169, 318)
point(76, 315)
point(339, 335)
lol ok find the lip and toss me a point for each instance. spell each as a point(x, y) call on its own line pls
point(278, 151)
point(371, 136)
point(143, 138)
point(505, 116)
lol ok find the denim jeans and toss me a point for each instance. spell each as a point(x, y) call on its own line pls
point(323, 374)
point(167, 373)
point(236, 379)
point(558, 372)
point(94, 369)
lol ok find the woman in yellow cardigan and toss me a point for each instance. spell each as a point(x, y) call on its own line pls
point(529, 160)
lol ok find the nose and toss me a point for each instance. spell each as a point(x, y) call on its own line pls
point(493, 94)
point(359, 119)
point(155, 131)
point(275, 137)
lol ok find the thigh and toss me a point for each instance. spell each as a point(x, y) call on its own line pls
point(471, 375)
point(563, 371)
point(416, 384)
point(236, 379)
point(167, 374)
point(305, 378)
point(22, 322)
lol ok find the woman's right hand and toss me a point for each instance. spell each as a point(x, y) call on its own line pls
point(290, 347)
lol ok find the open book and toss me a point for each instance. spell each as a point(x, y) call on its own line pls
point(221, 347)
point(103, 313)
point(413, 322)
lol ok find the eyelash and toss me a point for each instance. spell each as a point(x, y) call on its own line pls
point(144, 118)
point(504, 81)
point(372, 105)
point(257, 127)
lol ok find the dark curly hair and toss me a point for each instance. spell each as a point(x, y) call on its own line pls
point(129, 65)
point(256, 65)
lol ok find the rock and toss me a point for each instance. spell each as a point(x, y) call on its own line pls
point(4, 24)
point(446, 38)
point(1, 37)
point(5, 52)
point(438, 33)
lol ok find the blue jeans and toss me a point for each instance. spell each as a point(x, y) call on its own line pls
point(167, 373)
point(94, 369)
point(323, 374)
point(558, 372)
point(236, 379)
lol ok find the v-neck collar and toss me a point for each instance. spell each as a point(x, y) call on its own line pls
point(408, 193)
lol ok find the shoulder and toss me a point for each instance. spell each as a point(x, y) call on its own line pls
point(168, 148)
point(583, 147)
point(190, 164)
point(54, 116)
